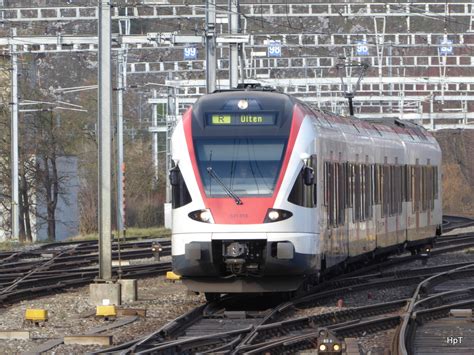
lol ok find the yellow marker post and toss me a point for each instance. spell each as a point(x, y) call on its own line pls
point(106, 311)
point(171, 276)
point(36, 315)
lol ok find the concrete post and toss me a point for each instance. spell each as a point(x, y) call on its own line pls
point(233, 47)
point(154, 116)
point(120, 155)
point(105, 141)
point(211, 45)
point(15, 201)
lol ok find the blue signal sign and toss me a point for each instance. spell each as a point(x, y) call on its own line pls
point(446, 47)
point(274, 48)
point(190, 53)
point(362, 48)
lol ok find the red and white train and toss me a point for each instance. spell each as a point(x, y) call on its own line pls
point(268, 192)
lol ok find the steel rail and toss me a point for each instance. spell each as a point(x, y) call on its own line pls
point(408, 326)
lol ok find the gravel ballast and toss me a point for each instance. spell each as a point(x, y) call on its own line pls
point(71, 314)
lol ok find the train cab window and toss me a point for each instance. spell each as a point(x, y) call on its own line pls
point(246, 166)
point(302, 194)
point(179, 190)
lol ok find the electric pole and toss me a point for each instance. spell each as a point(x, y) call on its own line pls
point(154, 116)
point(170, 119)
point(211, 46)
point(120, 163)
point(15, 201)
point(233, 47)
point(104, 135)
point(124, 28)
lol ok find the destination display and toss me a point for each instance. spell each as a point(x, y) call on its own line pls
point(241, 119)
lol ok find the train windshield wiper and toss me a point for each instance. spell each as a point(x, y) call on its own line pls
point(229, 192)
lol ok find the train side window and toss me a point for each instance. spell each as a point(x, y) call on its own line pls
point(423, 189)
point(357, 192)
point(408, 182)
point(404, 185)
point(302, 194)
point(386, 190)
point(431, 187)
point(331, 193)
point(326, 183)
point(179, 190)
point(341, 194)
point(393, 190)
point(377, 184)
point(349, 181)
point(416, 188)
point(368, 192)
point(401, 191)
point(363, 196)
point(435, 182)
point(335, 195)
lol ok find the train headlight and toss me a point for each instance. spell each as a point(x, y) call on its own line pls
point(275, 215)
point(323, 347)
point(201, 216)
point(205, 216)
point(336, 347)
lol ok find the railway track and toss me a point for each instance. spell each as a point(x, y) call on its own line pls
point(56, 266)
point(226, 328)
point(429, 325)
point(221, 326)
point(453, 222)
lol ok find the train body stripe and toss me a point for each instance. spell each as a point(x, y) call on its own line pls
point(224, 209)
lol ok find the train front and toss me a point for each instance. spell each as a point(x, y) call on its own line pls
point(239, 158)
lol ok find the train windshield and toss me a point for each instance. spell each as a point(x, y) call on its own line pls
point(246, 166)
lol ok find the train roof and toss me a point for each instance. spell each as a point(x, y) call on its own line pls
point(268, 97)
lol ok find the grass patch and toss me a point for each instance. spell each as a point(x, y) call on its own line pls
point(7, 246)
point(153, 232)
point(10, 245)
